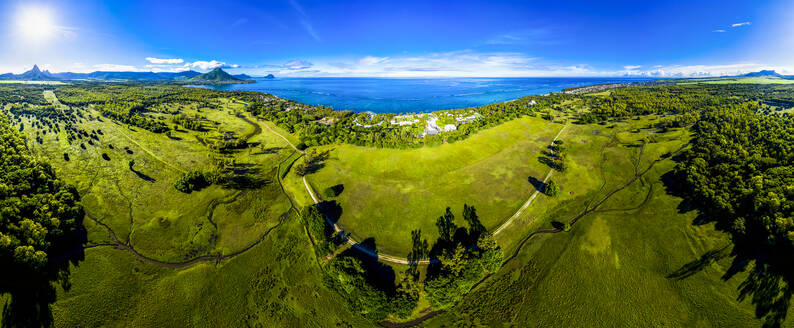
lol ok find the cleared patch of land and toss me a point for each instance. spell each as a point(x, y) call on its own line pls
point(637, 247)
point(388, 193)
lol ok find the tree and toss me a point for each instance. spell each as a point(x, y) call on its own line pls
point(300, 169)
point(346, 276)
point(406, 296)
point(551, 189)
point(490, 253)
point(41, 226)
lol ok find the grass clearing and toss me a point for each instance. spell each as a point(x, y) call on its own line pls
point(489, 170)
point(615, 266)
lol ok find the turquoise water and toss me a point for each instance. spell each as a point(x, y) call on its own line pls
point(384, 95)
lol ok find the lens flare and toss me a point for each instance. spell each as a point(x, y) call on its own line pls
point(35, 24)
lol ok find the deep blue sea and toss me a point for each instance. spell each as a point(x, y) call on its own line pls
point(389, 95)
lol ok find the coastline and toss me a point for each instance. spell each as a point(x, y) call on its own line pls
point(414, 95)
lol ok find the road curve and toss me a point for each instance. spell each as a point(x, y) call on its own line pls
point(534, 195)
point(402, 260)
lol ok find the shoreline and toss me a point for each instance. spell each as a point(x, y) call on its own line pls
point(437, 98)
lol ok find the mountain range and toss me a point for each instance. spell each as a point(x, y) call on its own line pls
point(217, 75)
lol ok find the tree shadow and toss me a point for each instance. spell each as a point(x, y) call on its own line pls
point(32, 291)
point(537, 184)
point(331, 209)
point(451, 236)
point(335, 190)
point(549, 162)
point(269, 150)
point(143, 176)
point(770, 281)
point(691, 268)
point(376, 273)
point(558, 225)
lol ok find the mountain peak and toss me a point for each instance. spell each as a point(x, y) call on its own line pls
point(216, 75)
point(763, 73)
point(35, 69)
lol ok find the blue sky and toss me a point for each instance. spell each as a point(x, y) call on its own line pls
point(401, 38)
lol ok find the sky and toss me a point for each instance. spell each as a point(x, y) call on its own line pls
point(406, 38)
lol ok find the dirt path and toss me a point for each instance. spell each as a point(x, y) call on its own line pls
point(354, 243)
point(206, 258)
point(116, 243)
point(534, 195)
point(402, 260)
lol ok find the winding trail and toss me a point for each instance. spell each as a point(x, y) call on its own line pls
point(534, 195)
point(127, 246)
point(403, 260)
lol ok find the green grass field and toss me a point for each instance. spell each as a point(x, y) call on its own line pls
point(269, 277)
point(144, 209)
point(615, 267)
point(241, 257)
point(387, 193)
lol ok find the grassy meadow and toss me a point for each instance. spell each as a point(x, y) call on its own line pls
point(637, 260)
point(388, 192)
point(241, 256)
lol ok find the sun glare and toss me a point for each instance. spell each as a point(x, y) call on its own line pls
point(35, 23)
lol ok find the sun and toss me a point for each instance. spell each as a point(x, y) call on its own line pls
point(35, 23)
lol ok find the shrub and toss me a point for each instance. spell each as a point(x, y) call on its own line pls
point(551, 189)
point(194, 181)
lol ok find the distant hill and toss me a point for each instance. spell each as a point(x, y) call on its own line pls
point(242, 76)
point(34, 74)
point(219, 76)
point(763, 73)
point(270, 76)
point(100, 75)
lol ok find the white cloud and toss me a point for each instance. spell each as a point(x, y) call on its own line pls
point(298, 64)
point(164, 60)
point(309, 29)
point(208, 65)
point(740, 24)
point(719, 31)
point(166, 68)
point(304, 20)
point(469, 63)
point(116, 68)
point(536, 35)
point(238, 22)
point(371, 60)
point(709, 70)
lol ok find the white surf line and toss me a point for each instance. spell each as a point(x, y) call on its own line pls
point(355, 243)
point(534, 195)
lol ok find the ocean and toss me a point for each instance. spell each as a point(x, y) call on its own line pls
point(391, 95)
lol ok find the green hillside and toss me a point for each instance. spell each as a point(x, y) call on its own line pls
point(215, 75)
point(663, 205)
